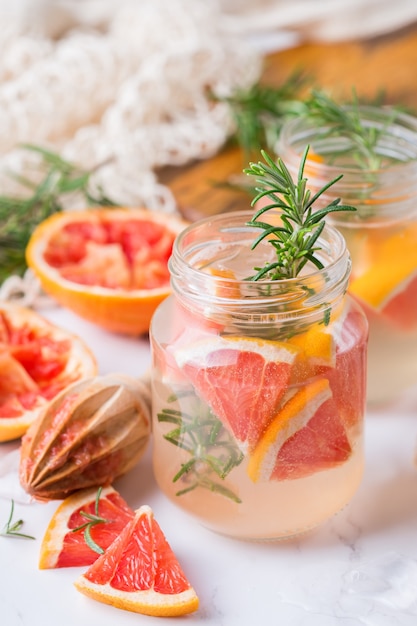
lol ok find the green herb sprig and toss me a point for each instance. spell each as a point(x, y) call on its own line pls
point(213, 452)
point(294, 239)
point(12, 529)
point(92, 520)
point(258, 112)
point(20, 215)
point(345, 121)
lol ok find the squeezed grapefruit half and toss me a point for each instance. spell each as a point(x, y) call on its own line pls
point(37, 361)
point(109, 266)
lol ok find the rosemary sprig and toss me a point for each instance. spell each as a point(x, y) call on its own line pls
point(295, 238)
point(258, 112)
point(92, 520)
point(11, 529)
point(60, 179)
point(345, 121)
point(213, 452)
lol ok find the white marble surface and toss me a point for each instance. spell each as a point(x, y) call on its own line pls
point(358, 569)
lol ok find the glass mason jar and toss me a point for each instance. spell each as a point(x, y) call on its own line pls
point(381, 236)
point(258, 388)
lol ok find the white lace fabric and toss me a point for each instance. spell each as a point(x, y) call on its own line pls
point(128, 82)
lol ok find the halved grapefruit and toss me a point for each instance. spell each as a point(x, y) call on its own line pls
point(242, 379)
point(64, 543)
point(107, 265)
point(37, 360)
point(139, 572)
point(306, 436)
point(389, 285)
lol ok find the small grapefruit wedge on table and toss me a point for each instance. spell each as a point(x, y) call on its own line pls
point(305, 437)
point(139, 572)
point(64, 543)
point(37, 361)
point(109, 266)
point(241, 379)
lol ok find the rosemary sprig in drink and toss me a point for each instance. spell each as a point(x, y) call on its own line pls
point(345, 121)
point(213, 452)
point(12, 529)
point(19, 215)
point(295, 237)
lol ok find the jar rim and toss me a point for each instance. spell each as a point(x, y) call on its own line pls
point(377, 114)
point(308, 294)
point(381, 195)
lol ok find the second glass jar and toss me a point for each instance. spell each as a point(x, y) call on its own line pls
point(380, 180)
point(258, 387)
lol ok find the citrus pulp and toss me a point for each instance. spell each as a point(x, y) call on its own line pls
point(241, 379)
point(37, 361)
point(305, 437)
point(64, 546)
point(109, 266)
point(139, 572)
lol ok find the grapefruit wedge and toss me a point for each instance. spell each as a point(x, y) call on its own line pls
point(64, 543)
point(139, 572)
point(241, 379)
point(305, 437)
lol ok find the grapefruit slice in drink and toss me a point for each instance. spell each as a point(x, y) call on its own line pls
point(64, 543)
point(306, 436)
point(389, 285)
point(241, 379)
point(139, 572)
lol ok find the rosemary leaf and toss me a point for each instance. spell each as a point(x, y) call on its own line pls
point(92, 520)
point(12, 529)
point(212, 450)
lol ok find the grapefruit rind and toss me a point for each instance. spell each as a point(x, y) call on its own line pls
point(198, 352)
point(146, 602)
point(144, 569)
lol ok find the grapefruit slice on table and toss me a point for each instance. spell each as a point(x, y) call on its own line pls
point(108, 266)
point(241, 379)
point(139, 572)
point(389, 286)
point(64, 546)
point(305, 437)
point(37, 360)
